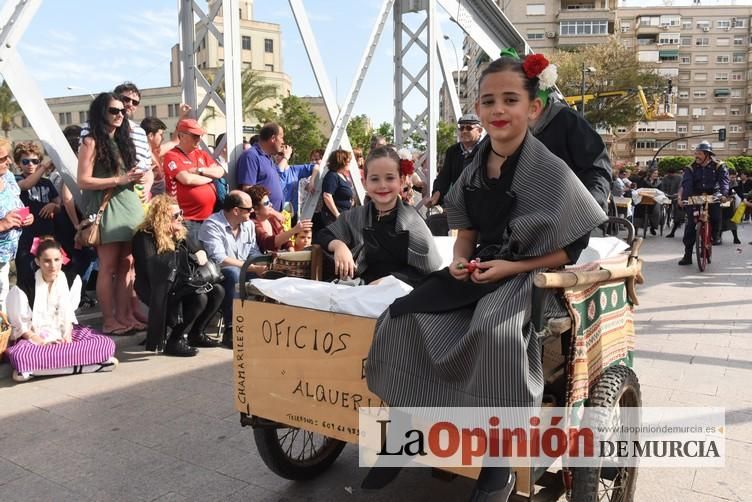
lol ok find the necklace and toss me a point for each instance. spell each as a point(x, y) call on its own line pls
point(383, 214)
point(498, 154)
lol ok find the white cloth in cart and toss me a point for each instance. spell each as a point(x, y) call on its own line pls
point(364, 301)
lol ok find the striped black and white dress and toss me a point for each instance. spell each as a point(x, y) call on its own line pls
point(486, 355)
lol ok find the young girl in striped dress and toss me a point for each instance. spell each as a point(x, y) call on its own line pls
point(46, 338)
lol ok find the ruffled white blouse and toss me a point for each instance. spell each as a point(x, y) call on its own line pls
point(53, 310)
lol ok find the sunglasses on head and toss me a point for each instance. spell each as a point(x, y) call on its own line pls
point(116, 111)
point(465, 127)
point(26, 162)
point(126, 100)
point(266, 203)
point(178, 214)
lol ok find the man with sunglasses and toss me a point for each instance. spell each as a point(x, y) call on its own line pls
point(189, 176)
point(457, 157)
point(229, 238)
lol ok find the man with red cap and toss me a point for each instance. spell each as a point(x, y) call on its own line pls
point(189, 176)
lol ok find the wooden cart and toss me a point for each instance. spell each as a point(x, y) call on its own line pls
point(300, 373)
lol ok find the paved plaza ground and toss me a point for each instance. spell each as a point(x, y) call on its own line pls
point(161, 428)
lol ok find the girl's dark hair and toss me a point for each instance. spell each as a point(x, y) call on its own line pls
point(380, 153)
point(338, 159)
point(98, 131)
point(48, 242)
point(510, 64)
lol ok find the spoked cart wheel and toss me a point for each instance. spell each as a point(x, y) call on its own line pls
point(618, 387)
point(294, 453)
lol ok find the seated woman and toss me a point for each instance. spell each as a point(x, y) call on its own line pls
point(385, 236)
point(270, 235)
point(46, 338)
point(464, 336)
point(164, 260)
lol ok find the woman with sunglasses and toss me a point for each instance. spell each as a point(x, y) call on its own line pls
point(269, 232)
point(164, 259)
point(42, 199)
point(107, 163)
point(12, 218)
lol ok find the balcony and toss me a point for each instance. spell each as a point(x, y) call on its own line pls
point(587, 15)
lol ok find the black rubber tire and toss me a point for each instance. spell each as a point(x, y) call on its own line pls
point(277, 459)
point(617, 385)
point(702, 257)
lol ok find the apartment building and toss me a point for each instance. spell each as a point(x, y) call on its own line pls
point(704, 49)
point(446, 113)
point(261, 49)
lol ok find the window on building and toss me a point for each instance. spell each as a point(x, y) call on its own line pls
point(625, 26)
point(735, 112)
point(221, 39)
point(722, 42)
point(269, 67)
point(722, 59)
point(686, 23)
point(738, 40)
point(736, 93)
point(738, 57)
point(703, 24)
point(65, 118)
point(733, 145)
point(737, 76)
point(719, 112)
point(173, 110)
point(573, 28)
point(668, 56)
point(621, 130)
point(723, 23)
point(668, 38)
point(150, 111)
point(246, 43)
point(701, 77)
point(739, 23)
point(683, 94)
point(536, 9)
point(268, 45)
point(684, 75)
point(702, 41)
point(681, 146)
point(83, 116)
point(645, 41)
point(735, 128)
point(699, 93)
point(682, 128)
point(685, 41)
point(535, 35)
point(684, 59)
point(722, 76)
point(701, 59)
point(24, 121)
point(646, 144)
point(649, 20)
point(698, 128)
point(698, 112)
point(682, 111)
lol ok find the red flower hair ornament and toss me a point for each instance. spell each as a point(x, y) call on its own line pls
point(534, 64)
point(407, 167)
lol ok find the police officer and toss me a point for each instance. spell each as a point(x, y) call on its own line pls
point(704, 177)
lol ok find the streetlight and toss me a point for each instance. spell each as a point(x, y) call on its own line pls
point(76, 88)
point(585, 69)
point(459, 72)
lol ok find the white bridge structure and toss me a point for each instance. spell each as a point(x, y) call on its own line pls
point(481, 20)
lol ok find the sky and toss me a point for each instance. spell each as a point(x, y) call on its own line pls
point(85, 46)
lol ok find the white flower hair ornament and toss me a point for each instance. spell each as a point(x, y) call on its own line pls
point(404, 154)
point(547, 78)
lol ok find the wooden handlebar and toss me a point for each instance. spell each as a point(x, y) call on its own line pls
point(568, 279)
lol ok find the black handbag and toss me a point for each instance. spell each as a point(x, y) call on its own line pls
point(202, 278)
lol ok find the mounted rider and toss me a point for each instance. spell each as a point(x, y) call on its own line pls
point(704, 176)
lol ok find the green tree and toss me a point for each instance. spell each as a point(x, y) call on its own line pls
point(446, 136)
point(742, 163)
point(616, 69)
point(9, 108)
point(359, 131)
point(300, 124)
point(387, 130)
point(254, 91)
point(678, 163)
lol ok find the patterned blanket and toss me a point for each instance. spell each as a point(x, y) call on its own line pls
point(603, 334)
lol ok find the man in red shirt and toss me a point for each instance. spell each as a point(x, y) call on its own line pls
point(189, 176)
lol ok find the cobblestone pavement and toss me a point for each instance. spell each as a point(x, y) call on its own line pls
point(161, 428)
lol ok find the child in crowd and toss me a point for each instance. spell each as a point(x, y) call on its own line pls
point(42, 199)
point(303, 239)
point(46, 337)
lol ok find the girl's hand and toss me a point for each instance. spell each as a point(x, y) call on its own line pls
point(49, 210)
point(67, 338)
point(35, 339)
point(344, 265)
point(492, 271)
point(28, 220)
point(459, 269)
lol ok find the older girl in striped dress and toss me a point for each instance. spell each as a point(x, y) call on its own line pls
point(46, 338)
